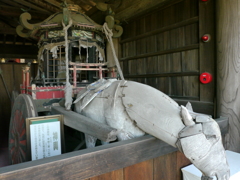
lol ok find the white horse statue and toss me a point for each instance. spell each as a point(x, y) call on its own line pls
point(135, 109)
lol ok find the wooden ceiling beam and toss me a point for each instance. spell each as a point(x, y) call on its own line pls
point(54, 3)
point(8, 30)
point(8, 11)
point(87, 2)
point(25, 3)
point(13, 4)
point(9, 21)
point(46, 5)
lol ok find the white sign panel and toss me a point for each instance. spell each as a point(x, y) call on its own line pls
point(45, 140)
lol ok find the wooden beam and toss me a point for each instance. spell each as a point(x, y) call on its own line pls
point(89, 2)
point(10, 21)
point(160, 30)
point(7, 30)
point(46, 6)
point(13, 4)
point(198, 106)
point(54, 3)
point(128, 9)
point(16, 12)
point(163, 75)
point(30, 5)
point(86, 125)
point(207, 50)
point(91, 162)
point(185, 48)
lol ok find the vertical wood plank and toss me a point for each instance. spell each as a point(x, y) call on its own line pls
point(186, 7)
point(116, 175)
point(228, 68)
point(152, 82)
point(206, 50)
point(132, 64)
point(176, 65)
point(164, 63)
point(176, 86)
point(140, 171)
point(160, 41)
point(190, 86)
point(125, 68)
point(190, 61)
point(166, 40)
point(152, 65)
point(165, 167)
point(182, 161)
point(191, 34)
point(141, 66)
point(162, 84)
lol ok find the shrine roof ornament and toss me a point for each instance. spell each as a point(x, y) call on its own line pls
point(80, 21)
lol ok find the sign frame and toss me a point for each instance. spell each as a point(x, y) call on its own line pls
point(44, 119)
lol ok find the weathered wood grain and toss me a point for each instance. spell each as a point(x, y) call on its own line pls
point(169, 74)
point(143, 54)
point(140, 171)
point(198, 106)
point(182, 161)
point(165, 167)
point(114, 175)
point(228, 67)
point(129, 9)
point(90, 162)
point(207, 50)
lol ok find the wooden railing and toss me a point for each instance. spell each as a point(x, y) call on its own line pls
point(92, 162)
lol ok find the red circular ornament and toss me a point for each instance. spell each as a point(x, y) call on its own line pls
point(206, 38)
point(205, 78)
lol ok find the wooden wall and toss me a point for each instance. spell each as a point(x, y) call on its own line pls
point(228, 67)
point(12, 73)
point(163, 48)
point(161, 168)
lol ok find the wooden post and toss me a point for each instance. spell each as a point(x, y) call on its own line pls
point(228, 68)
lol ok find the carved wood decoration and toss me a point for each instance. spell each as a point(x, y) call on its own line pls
point(228, 68)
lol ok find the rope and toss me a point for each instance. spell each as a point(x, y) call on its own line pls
point(109, 35)
point(68, 88)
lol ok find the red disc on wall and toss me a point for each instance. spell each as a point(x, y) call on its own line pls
point(205, 78)
point(206, 38)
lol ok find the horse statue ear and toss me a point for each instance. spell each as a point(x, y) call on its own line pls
point(189, 106)
point(186, 117)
